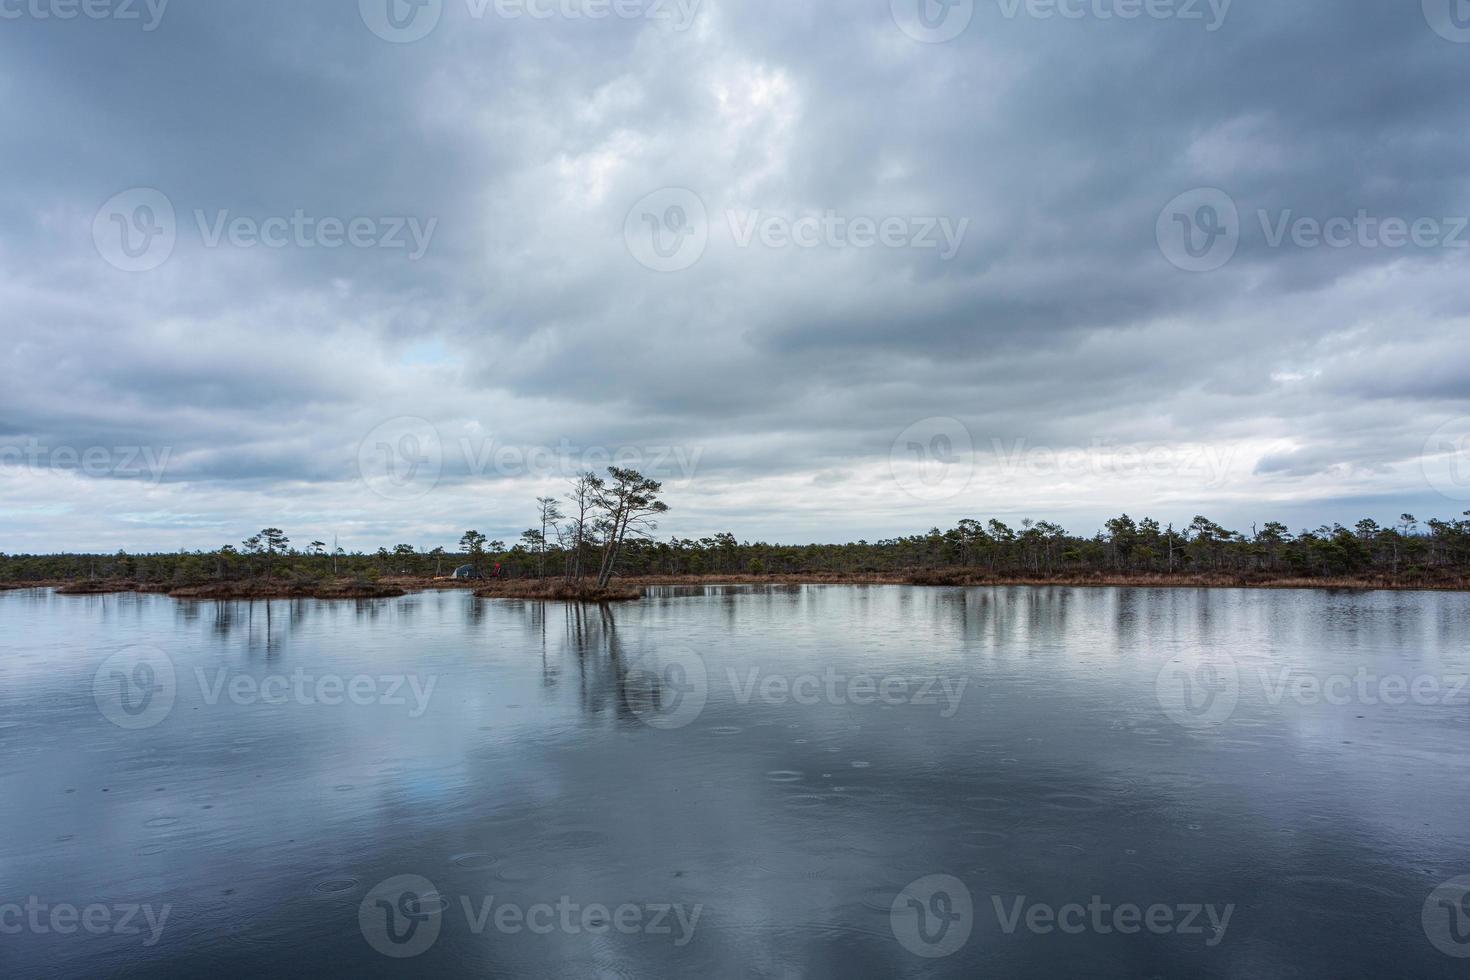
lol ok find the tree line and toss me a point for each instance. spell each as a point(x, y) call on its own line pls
point(587, 537)
point(604, 527)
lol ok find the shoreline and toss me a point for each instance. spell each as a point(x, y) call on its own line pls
point(634, 589)
point(227, 590)
point(947, 579)
point(559, 590)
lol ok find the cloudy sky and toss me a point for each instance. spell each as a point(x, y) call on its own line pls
point(389, 271)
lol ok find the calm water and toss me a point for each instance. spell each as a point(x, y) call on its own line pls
point(738, 783)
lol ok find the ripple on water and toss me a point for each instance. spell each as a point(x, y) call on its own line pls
point(335, 886)
point(985, 804)
point(433, 903)
point(806, 801)
point(1073, 801)
point(838, 798)
point(579, 840)
point(157, 823)
point(794, 873)
point(475, 860)
point(725, 731)
point(880, 899)
point(984, 840)
point(785, 776)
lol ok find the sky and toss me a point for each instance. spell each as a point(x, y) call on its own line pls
point(381, 271)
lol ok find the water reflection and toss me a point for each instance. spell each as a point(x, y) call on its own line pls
point(663, 752)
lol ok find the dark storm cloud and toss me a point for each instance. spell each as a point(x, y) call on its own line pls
point(1059, 323)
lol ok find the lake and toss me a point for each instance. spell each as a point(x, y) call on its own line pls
point(738, 782)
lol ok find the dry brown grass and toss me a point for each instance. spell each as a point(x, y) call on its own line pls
point(445, 584)
point(334, 589)
point(796, 578)
point(106, 587)
point(253, 589)
point(555, 590)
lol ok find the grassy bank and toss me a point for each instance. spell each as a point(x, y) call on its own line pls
point(556, 591)
point(249, 589)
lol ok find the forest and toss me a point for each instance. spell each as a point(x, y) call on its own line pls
point(605, 527)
